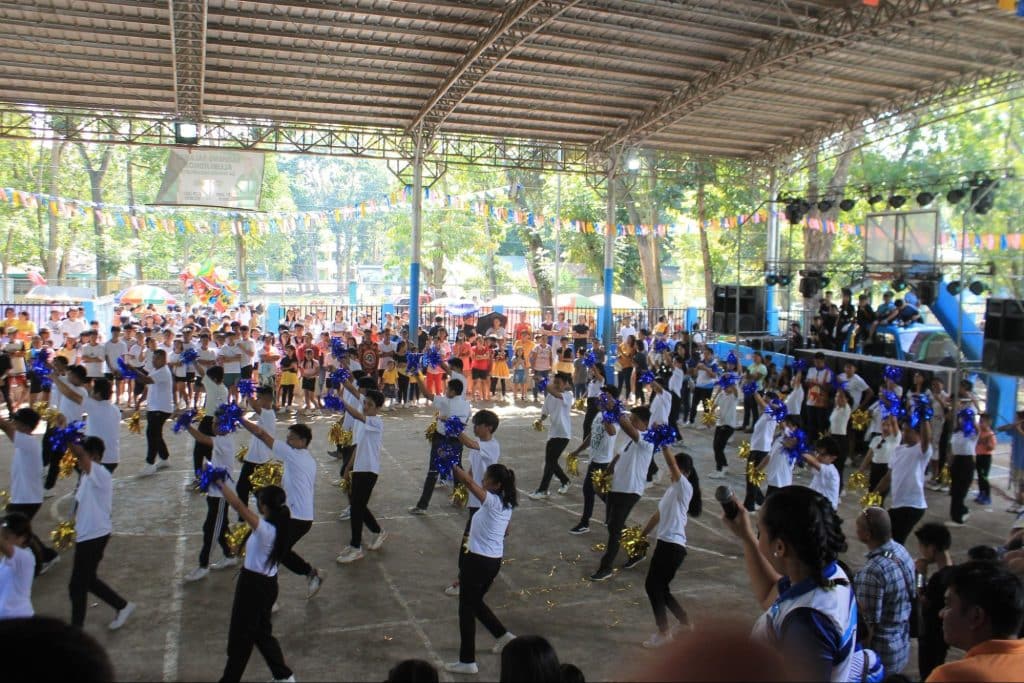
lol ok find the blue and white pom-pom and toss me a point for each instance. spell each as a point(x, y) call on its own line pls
point(727, 380)
point(662, 346)
point(799, 365)
point(453, 426)
point(41, 369)
point(661, 435)
point(125, 371)
point(431, 359)
point(333, 402)
point(795, 451)
point(646, 377)
point(183, 421)
point(228, 416)
point(340, 376)
point(749, 388)
point(965, 422)
point(246, 388)
point(731, 358)
point(338, 349)
point(542, 384)
point(611, 414)
point(777, 409)
point(62, 437)
point(921, 410)
point(211, 475)
point(589, 359)
point(189, 356)
point(893, 373)
point(891, 405)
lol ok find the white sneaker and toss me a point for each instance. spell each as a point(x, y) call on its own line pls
point(719, 474)
point(290, 679)
point(377, 540)
point(148, 470)
point(657, 640)
point(452, 590)
point(500, 643)
point(276, 608)
point(122, 616)
point(316, 579)
point(350, 554)
point(163, 464)
point(467, 668)
point(197, 574)
point(226, 563)
point(537, 495)
point(345, 514)
point(564, 488)
point(47, 566)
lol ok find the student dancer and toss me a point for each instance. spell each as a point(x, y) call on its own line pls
point(629, 472)
point(258, 453)
point(661, 411)
point(74, 379)
point(94, 500)
point(595, 383)
point(17, 567)
point(826, 475)
point(299, 482)
point(256, 590)
point(26, 493)
point(221, 447)
point(356, 427)
point(880, 450)
point(727, 400)
point(103, 418)
point(482, 561)
point(777, 466)
point(365, 468)
point(159, 406)
point(452, 404)
point(483, 451)
point(681, 499)
point(557, 406)
point(905, 479)
point(760, 444)
point(601, 441)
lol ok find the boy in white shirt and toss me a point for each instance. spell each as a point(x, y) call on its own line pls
point(557, 405)
point(26, 492)
point(727, 401)
point(452, 404)
point(826, 476)
point(365, 467)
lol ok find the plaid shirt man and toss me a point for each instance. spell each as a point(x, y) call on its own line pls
point(885, 588)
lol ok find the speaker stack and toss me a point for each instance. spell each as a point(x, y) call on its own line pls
point(751, 314)
point(1003, 351)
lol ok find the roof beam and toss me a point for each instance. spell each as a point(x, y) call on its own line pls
point(518, 22)
point(832, 33)
point(188, 46)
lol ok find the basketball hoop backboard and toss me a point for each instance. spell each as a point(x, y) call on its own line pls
point(902, 241)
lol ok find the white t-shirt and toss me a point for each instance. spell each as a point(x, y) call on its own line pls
point(876, 418)
point(174, 361)
point(160, 393)
point(248, 349)
point(72, 328)
point(298, 479)
point(68, 408)
point(112, 351)
point(963, 445)
point(764, 430)
point(630, 474)
point(559, 412)
point(795, 401)
point(602, 445)
point(594, 388)
point(16, 575)
point(465, 383)
point(855, 386)
point(258, 549)
point(349, 422)
point(216, 395)
point(231, 358)
point(838, 419)
point(882, 448)
point(626, 331)
point(661, 405)
point(727, 402)
point(452, 407)
point(104, 420)
point(259, 452)
point(370, 442)
point(778, 471)
point(224, 457)
point(826, 482)
point(673, 509)
point(479, 460)
point(136, 356)
point(675, 382)
point(487, 529)
point(95, 496)
point(27, 470)
point(907, 470)
point(93, 368)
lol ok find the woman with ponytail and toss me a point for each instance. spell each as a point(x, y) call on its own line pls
point(682, 499)
point(791, 560)
point(256, 590)
point(482, 561)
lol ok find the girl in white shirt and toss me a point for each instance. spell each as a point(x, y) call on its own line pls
point(838, 428)
point(482, 561)
point(681, 499)
point(880, 450)
point(17, 567)
point(256, 590)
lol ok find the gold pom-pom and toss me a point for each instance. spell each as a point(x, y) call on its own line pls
point(743, 452)
point(41, 407)
point(579, 404)
point(538, 425)
point(871, 500)
point(67, 464)
point(708, 418)
point(267, 474)
point(431, 431)
point(242, 452)
point(46, 413)
point(634, 542)
point(460, 495)
point(5, 498)
point(339, 436)
point(602, 481)
point(572, 464)
point(945, 476)
point(200, 414)
point(236, 537)
point(346, 483)
point(63, 536)
point(135, 423)
point(858, 481)
point(754, 475)
point(860, 419)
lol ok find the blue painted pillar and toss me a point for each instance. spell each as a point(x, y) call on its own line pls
point(692, 316)
point(771, 310)
point(274, 314)
point(607, 334)
point(353, 293)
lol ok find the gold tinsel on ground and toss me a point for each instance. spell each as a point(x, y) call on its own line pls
point(860, 419)
point(67, 464)
point(754, 475)
point(346, 483)
point(242, 452)
point(431, 430)
point(871, 500)
point(538, 425)
point(267, 474)
point(602, 481)
point(579, 404)
point(743, 452)
point(339, 436)
point(237, 535)
point(63, 536)
point(708, 418)
point(572, 465)
point(858, 481)
point(634, 542)
point(135, 423)
point(460, 495)
point(945, 476)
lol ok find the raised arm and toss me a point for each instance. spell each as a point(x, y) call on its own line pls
point(763, 578)
point(674, 472)
point(7, 427)
point(468, 441)
point(204, 439)
point(65, 390)
point(626, 423)
point(244, 511)
point(473, 487)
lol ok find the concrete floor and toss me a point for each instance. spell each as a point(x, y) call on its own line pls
point(390, 606)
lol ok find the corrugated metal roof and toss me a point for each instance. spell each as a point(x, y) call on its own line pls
point(742, 78)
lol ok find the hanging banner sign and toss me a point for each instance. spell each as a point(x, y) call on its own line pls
point(220, 178)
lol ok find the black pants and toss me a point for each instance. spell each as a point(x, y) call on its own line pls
point(552, 452)
point(722, 435)
point(463, 547)
point(297, 528)
point(931, 649)
point(619, 506)
point(589, 493)
point(962, 470)
point(111, 466)
point(625, 377)
point(685, 400)
point(414, 390)
point(43, 553)
point(475, 578)
point(287, 394)
point(700, 394)
point(750, 413)
point(359, 499)
point(215, 526)
point(403, 388)
point(816, 421)
point(983, 463)
point(436, 442)
point(346, 456)
point(84, 580)
point(244, 487)
point(589, 416)
point(754, 495)
point(51, 460)
point(665, 562)
point(903, 521)
point(255, 595)
point(673, 411)
point(155, 445)
point(877, 471)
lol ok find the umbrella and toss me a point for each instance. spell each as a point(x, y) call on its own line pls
point(63, 294)
point(484, 323)
point(618, 301)
point(145, 294)
point(514, 301)
point(453, 306)
point(573, 300)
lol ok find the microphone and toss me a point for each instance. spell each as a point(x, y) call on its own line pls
point(723, 494)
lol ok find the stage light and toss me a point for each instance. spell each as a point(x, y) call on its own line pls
point(785, 279)
point(874, 199)
point(978, 288)
point(824, 205)
point(897, 200)
point(847, 204)
point(186, 133)
point(925, 198)
point(982, 196)
point(771, 279)
point(955, 195)
point(955, 287)
point(633, 162)
point(899, 284)
point(795, 210)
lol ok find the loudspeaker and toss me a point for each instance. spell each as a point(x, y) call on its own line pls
point(1003, 349)
point(751, 309)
